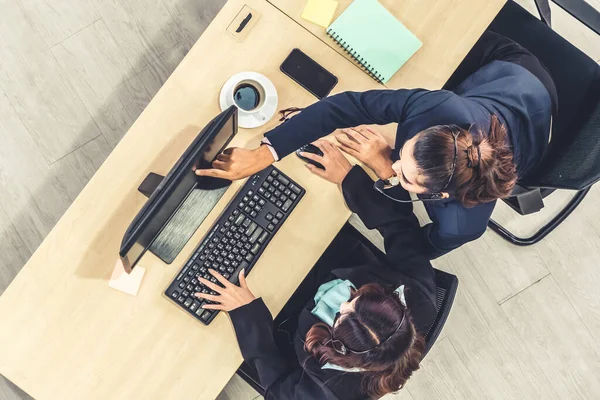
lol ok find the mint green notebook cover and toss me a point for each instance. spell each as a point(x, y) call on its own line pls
point(374, 37)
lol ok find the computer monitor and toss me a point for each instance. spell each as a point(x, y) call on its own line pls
point(177, 185)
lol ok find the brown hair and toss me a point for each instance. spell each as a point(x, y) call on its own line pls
point(484, 171)
point(396, 352)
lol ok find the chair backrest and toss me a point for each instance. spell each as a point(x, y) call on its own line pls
point(577, 80)
point(447, 285)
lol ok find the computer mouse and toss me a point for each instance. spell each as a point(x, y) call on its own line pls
point(310, 148)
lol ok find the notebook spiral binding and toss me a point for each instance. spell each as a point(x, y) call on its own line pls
point(357, 57)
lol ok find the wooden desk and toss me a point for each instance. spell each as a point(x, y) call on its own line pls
point(447, 28)
point(64, 334)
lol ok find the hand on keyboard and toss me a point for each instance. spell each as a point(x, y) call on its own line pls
point(229, 296)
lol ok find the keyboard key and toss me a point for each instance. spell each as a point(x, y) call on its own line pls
point(198, 289)
point(222, 268)
point(269, 217)
point(295, 189)
point(185, 293)
point(271, 189)
point(190, 287)
point(181, 299)
point(269, 179)
point(287, 192)
point(188, 302)
point(287, 205)
point(254, 214)
point(267, 195)
point(181, 285)
point(279, 214)
point(247, 210)
point(293, 196)
point(246, 222)
point(271, 227)
point(257, 208)
point(203, 269)
point(226, 275)
point(246, 198)
point(262, 202)
point(231, 270)
point(277, 193)
point(274, 173)
point(241, 205)
point(250, 193)
point(256, 235)
point(247, 246)
point(276, 184)
point(261, 190)
point(249, 257)
point(280, 204)
point(175, 294)
point(283, 198)
point(239, 219)
point(205, 316)
point(266, 184)
point(255, 198)
point(235, 212)
point(195, 306)
point(199, 311)
point(252, 203)
point(255, 249)
point(251, 229)
point(263, 237)
point(186, 279)
point(283, 180)
point(275, 221)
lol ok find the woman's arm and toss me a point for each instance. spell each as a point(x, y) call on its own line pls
point(344, 110)
point(404, 242)
point(253, 326)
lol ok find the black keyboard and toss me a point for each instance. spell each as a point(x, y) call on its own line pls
point(237, 239)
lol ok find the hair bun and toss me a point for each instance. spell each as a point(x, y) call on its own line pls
point(472, 161)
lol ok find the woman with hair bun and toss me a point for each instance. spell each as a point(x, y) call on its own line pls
point(457, 150)
point(354, 329)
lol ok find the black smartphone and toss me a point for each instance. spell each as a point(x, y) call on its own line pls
point(308, 73)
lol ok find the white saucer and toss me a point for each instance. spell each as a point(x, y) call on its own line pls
point(250, 119)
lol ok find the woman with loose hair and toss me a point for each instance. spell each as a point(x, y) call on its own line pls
point(355, 327)
point(457, 150)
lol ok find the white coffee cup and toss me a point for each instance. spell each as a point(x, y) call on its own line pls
point(251, 114)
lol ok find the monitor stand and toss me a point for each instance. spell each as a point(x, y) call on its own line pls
point(150, 183)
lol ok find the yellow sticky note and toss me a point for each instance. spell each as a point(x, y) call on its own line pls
point(320, 12)
point(124, 282)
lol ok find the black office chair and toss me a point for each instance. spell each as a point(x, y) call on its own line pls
point(573, 159)
point(447, 285)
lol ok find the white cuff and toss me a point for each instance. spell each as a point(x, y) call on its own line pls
point(267, 143)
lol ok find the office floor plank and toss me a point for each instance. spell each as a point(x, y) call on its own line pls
point(13, 250)
point(75, 169)
point(41, 96)
point(104, 79)
point(192, 17)
point(31, 196)
point(146, 32)
point(56, 20)
point(554, 334)
point(443, 375)
point(238, 389)
point(8, 391)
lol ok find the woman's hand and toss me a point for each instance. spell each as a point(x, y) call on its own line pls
point(369, 147)
point(237, 163)
point(229, 296)
point(336, 165)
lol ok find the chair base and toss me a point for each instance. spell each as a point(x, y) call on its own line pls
point(546, 229)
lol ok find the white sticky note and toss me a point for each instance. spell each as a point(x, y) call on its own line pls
point(124, 282)
point(320, 12)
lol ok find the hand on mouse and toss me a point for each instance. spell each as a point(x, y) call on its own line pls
point(369, 147)
point(336, 165)
point(237, 163)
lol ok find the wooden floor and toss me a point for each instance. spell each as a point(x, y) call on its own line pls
point(74, 75)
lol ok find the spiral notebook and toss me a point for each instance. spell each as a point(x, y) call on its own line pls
point(374, 38)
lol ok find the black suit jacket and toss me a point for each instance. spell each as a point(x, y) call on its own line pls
point(406, 263)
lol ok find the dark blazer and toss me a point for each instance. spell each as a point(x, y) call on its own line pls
point(407, 264)
point(501, 84)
